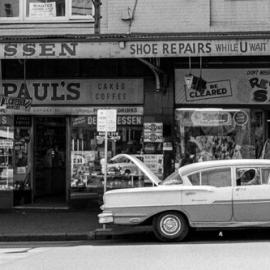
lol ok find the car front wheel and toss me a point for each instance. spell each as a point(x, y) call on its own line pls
point(170, 226)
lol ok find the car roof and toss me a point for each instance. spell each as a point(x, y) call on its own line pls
point(187, 169)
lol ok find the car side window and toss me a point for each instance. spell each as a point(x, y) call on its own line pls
point(217, 177)
point(265, 175)
point(194, 179)
point(248, 176)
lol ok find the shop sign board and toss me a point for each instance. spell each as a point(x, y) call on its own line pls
point(212, 118)
point(132, 49)
point(22, 121)
point(6, 120)
point(74, 92)
point(153, 132)
point(15, 103)
point(226, 86)
point(106, 120)
point(83, 111)
point(126, 116)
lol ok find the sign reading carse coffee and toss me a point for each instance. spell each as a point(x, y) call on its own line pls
point(134, 49)
point(77, 92)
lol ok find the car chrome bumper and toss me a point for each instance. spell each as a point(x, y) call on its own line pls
point(105, 217)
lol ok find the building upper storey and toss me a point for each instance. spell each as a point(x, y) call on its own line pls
point(86, 17)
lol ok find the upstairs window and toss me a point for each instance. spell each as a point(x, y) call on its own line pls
point(9, 9)
point(46, 10)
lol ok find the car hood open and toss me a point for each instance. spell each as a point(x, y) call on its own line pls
point(152, 177)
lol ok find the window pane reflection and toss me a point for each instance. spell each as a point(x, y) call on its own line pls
point(81, 7)
point(9, 8)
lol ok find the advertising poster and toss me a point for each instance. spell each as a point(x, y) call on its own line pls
point(225, 86)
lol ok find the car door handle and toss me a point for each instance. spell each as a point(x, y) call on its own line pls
point(190, 193)
point(240, 188)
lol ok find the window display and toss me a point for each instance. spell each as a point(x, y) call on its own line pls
point(213, 134)
point(6, 152)
point(87, 157)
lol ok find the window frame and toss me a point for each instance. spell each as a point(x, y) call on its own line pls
point(80, 17)
point(15, 19)
point(22, 18)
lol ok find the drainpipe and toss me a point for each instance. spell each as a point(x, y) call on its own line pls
point(156, 71)
point(97, 17)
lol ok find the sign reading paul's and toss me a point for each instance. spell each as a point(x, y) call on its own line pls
point(225, 86)
point(75, 92)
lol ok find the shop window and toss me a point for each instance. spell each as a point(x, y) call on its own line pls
point(44, 10)
point(215, 134)
point(87, 157)
point(6, 152)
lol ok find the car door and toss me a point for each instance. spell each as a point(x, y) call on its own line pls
point(210, 199)
point(251, 203)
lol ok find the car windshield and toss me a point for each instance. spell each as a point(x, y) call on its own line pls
point(173, 179)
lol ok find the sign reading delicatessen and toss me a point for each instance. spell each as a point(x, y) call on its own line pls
point(126, 116)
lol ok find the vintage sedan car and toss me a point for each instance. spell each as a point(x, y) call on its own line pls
point(211, 194)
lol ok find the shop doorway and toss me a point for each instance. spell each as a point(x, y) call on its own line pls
point(49, 159)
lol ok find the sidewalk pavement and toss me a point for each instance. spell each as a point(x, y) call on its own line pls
point(25, 225)
point(59, 225)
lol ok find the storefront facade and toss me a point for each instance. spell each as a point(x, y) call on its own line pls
point(62, 60)
point(52, 152)
point(226, 120)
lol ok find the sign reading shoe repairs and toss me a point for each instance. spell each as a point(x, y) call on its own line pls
point(225, 86)
point(132, 49)
point(76, 92)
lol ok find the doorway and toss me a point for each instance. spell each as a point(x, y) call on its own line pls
point(49, 159)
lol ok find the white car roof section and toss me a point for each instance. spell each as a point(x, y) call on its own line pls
point(190, 168)
point(154, 179)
